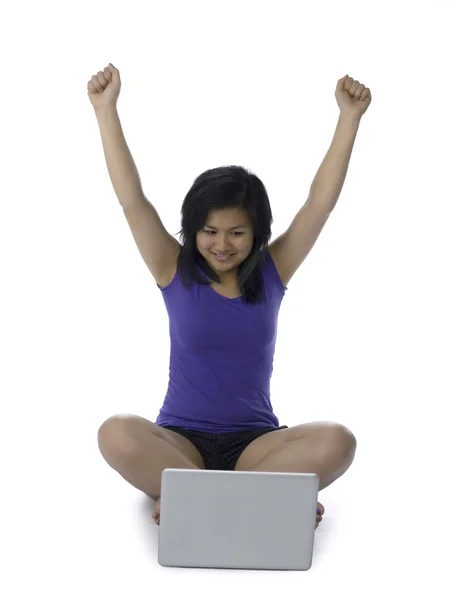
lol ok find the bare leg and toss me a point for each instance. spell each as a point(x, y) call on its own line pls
point(139, 451)
point(327, 449)
point(304, 456)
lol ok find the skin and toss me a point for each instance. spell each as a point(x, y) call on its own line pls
point(220, 236)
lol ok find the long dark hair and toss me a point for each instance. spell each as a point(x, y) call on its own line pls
point(219, 188)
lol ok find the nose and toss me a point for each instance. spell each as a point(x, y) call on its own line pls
point(221, 244)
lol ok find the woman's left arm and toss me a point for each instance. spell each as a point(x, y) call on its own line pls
point(353, 100)
point(291, 248)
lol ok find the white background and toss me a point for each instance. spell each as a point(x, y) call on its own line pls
point(363, 328)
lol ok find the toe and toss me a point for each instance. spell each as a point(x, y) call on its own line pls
point(319, 514)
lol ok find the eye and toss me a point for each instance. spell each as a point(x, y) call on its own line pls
point(234, 233)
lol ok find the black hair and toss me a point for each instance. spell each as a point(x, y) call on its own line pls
point(220, 188)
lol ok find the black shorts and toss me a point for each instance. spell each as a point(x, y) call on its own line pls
point(221, 451)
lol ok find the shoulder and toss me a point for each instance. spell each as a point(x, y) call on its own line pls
point(165, 279)
point(271, 265)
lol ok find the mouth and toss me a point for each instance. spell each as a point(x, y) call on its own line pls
point(222, 256)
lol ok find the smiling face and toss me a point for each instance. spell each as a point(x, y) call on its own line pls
point(226, 240)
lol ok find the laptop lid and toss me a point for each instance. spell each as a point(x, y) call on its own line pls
point(237, 519)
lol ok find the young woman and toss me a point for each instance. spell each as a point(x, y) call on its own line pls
point(223, 287)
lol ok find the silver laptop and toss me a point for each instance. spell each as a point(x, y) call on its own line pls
point(237, 519)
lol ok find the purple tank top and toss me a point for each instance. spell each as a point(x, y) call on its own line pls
point(221, 356)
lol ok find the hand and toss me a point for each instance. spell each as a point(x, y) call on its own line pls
point(353, 97)
point(104, 88)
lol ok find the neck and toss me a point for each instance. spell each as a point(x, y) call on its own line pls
point(228, 279)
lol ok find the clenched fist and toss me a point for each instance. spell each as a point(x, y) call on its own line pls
point(104, 88)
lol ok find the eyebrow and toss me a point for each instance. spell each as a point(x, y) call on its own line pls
point(230, 229)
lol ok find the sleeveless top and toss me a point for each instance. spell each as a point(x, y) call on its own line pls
point(221, 356)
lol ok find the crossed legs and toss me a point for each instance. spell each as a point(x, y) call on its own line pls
point(140, 450)
point(325, 448)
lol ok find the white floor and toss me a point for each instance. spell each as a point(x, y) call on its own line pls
point(363, 331)
point(75, 529)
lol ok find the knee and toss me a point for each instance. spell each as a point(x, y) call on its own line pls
point(115, 439)
point(343, 441)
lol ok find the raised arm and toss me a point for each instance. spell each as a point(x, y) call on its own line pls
point(157, 247)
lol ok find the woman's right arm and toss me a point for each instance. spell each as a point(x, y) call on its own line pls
point(157, 247)
point(121, 166)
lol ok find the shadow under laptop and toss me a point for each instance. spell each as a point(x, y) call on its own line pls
point(148, 531)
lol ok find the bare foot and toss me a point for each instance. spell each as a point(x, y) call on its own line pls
point(157, 512)
point(319, 514)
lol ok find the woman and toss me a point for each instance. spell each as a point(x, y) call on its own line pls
point(223, 287)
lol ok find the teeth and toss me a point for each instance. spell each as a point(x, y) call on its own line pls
point(223, 256)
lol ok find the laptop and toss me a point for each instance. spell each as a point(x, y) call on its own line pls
point(237, 519)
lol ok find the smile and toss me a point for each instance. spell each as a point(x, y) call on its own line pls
point(222, 256)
